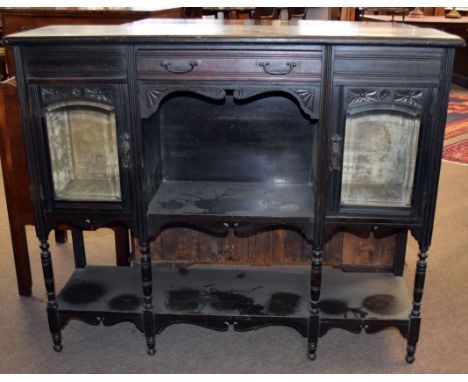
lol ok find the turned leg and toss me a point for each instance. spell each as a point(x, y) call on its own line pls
point(314, 317)
point(415, 316)
point(78, 248)
point(52, 306)
point(148, 317)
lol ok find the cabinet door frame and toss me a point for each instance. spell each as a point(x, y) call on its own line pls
point(44, 94)
point(398, 98)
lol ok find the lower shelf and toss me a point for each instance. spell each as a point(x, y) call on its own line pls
point(363, 301)
point(215, 296)
point(100, 294)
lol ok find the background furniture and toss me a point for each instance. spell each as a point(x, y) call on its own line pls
point(16, 182)
point(278, 142)
point(356, 14)
point(263, 13)
point(297, 13)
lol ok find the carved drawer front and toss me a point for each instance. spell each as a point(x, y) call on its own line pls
point(230, 65)
point(65, 62)
point(359, 62)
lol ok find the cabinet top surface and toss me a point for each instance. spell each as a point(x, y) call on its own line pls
point(199, 30)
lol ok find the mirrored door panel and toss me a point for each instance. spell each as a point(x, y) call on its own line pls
point(379, 159)
point(83, 150)
point(375, 149)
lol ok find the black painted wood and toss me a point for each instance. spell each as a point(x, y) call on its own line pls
point(314, 314)
point(241, 129)
point(217, 296)
point(147, 279)
point(52, 306)
point(240, 199)
point(78, 248)
point(415, 316)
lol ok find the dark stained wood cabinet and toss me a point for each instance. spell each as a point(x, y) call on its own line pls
point(233, 129)
point(278, 246)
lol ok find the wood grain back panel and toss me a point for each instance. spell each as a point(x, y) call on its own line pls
point(273, 247)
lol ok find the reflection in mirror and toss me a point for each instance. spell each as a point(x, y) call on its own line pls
point(83, 151)
point(379, 159)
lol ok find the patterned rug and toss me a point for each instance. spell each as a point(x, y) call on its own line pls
point(456, 130)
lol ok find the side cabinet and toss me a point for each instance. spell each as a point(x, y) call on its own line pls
point(374, 151)
point(380, 132)
point(82, 141)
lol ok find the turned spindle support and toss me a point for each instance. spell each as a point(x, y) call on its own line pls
point(148, 317)
point(415, 315)
point(314, 317)
point(52, 306)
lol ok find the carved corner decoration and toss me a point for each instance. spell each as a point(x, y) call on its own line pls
point(363, 96)
point(51, 94)
point(154, 95)
point(306, 97)
point(151, 97)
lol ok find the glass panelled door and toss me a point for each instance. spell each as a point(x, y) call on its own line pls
point(379, 159)
point(82, 141)
point(379, 147)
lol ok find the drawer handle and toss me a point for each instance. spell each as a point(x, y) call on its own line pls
point(179, 68)
point(266, 68)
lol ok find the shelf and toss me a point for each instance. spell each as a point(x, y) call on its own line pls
point(280, 290)
point(363, 296)
point(213, 294)
point(235, 199)
point(218, 290)
point(102, 289)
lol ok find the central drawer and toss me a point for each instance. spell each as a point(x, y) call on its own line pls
point(230, 65)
